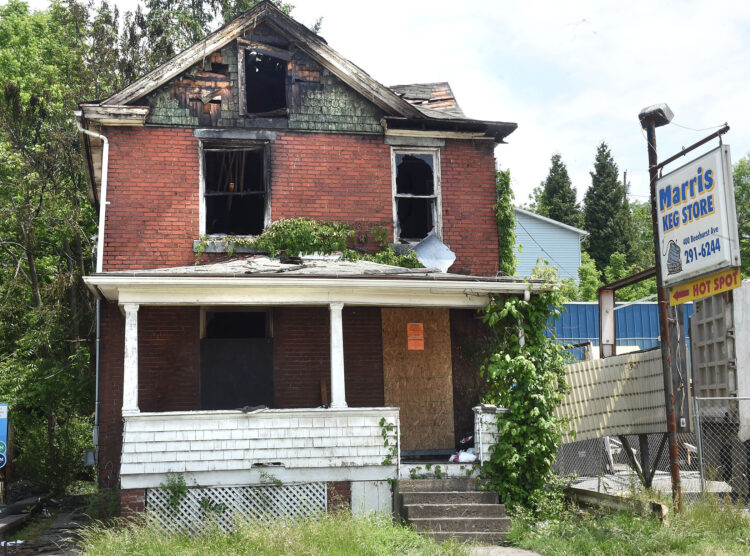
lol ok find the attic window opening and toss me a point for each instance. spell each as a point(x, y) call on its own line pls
point(265, 83)
point(416, 199)
point(235, 190)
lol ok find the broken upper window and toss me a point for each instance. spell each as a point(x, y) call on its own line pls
point(235, 189)
point(416, 199)
point(262, 77)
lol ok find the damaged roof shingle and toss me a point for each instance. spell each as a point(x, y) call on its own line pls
point(432, 99)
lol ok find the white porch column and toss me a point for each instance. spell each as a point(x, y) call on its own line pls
point(338, 386)
point(130, 366)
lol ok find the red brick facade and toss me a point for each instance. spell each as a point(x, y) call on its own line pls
point(154, 211)
point(169, 364)
point(132, 502)
point(339, 495)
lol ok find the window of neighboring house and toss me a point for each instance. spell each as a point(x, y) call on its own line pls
point(262, 77)
point(416, 197)
point(235, 189)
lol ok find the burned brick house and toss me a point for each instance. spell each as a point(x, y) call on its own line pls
point(262, 121)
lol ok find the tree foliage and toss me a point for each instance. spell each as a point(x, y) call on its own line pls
point(525, 374)
point(642, 237)
point(607, 212)
point(558, 196)
point(506, 223)
point(741, 180)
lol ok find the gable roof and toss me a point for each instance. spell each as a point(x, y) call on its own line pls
point(313, 45)
point(580, 232)
point(398, 105)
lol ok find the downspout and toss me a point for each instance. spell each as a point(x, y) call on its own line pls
point(99, 258)
point(103, 195)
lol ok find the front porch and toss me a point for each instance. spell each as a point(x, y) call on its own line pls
point(348, 385)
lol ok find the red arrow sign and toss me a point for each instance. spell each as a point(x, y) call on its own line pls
point(680, 294)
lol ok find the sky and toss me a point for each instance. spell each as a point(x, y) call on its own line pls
point(571, 74)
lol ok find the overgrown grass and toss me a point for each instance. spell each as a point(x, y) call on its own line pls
point(711, 526)
point(329, 534)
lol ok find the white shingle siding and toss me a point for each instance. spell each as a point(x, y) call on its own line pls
point(485, 429)
point(231, 440)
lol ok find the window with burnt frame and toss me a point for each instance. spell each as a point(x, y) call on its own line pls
point(235, 192)
point(263, 77)
point(416, 196)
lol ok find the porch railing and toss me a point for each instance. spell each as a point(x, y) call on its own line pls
point(211, 441)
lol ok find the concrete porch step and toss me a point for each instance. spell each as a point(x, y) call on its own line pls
point(478, 537)
point(443, 497)
point(461, 524)
point(437, 485)
point(414, 511)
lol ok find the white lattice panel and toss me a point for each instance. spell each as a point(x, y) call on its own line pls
point(225, 505)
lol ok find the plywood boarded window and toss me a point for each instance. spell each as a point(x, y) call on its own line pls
point(235, 197)
point(416, 195)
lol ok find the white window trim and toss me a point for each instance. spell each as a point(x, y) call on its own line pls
point(202, 190)
point(437, 214)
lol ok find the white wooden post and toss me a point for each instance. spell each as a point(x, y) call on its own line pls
point(130, 366)
point(338, 386)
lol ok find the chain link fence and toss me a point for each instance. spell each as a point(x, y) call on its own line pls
point(714, 458)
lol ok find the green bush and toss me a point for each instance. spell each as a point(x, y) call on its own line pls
point(53, 466)
point(525, 373)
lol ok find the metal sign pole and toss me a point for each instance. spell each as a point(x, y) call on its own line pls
point(649, 120)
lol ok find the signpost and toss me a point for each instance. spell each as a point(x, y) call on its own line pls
point(697, 219)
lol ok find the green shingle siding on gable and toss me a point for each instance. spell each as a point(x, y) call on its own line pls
point(319, 101)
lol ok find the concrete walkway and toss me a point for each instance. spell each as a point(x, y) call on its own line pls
point(500, 551)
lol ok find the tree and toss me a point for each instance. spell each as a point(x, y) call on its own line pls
point(617, 269)
point(171, 26)
point(506, 223)
point(742, 200)
point(642, 237)
point(589, 279)
point(606, 213)
point(558, 196)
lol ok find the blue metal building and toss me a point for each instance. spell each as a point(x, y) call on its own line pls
point(637, 324)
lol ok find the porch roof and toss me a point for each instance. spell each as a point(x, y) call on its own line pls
point(261, 280)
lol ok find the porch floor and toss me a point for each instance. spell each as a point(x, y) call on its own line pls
point(437, 469)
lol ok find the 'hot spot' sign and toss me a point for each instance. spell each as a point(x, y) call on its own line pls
point(697, 218)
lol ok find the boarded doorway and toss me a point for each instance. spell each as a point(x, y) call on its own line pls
point(236, 360)
point(419, 381)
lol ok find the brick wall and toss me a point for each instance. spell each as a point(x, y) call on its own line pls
point(468, 190)
point(339, 495)
point(363, 356)
point(153, 217)
point(470, 345)
point(132, 502)
point(110, 393)
point(169, 358)
point(301, 356)
point(168, 372)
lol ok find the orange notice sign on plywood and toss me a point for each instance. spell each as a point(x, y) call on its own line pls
point(415, 336)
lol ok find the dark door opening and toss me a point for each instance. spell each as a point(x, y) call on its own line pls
point(236, 361)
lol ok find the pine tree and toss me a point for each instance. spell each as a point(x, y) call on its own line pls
point(558, 197)
point(606, 213)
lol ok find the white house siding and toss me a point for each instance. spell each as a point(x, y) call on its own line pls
point(214, 448)
point(539, 239)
